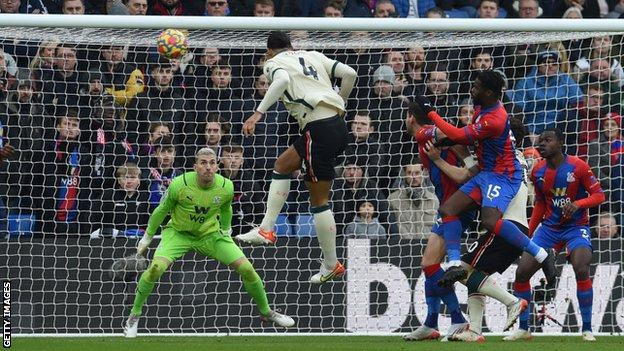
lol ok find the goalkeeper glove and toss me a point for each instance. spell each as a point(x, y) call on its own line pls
point(424, 104)
point(144, 244)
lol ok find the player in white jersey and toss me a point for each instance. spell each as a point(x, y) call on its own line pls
point(303, 81)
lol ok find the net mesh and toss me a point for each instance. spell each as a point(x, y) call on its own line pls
point(87, 109)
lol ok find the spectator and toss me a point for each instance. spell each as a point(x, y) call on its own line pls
point(7, 80)
point(264, 8)
point(161, 170)
point(119, 78)
point(616, 12)
point(200, 81)
point(605, 156)
point(6, 151)
point(217, 8)
point(73, 7)
point(365, 224)
point(42, 62)
point(22, 6)
point(414, 206)
point(60, 179)
point(435, 12)
point(465, 112)
point(544, 93)
point(136, 7)
point(572, 13)
point(356, 8)
point(488, 9)
point(589, 9)
point(396, 60)
point(364, 147)
point(156, 130)
point(159, 102)
point(122, 210)
point(582, 124)
point(107, 145)
point(333, 9)
point(173, 8)
point(351, 188)
point(413, 8)
point(601, 48)
point(606, 226)
point(527, 9)
point(248, 194)
point(414, 72)
point(480, 60)
point(222, 86)
point(384, 9)
point(438, 92)
point(215, 134)
point(61, 87)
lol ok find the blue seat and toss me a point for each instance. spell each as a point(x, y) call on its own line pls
point(21, 224)
point(304, 226)
point(282, 226)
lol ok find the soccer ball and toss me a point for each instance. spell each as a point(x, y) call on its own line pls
point(172, 44)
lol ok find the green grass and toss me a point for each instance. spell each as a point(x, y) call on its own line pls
point(304, 343)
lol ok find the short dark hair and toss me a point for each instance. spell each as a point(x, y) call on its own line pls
point(518, 129)
point(164, 142)
point(558, 133)
point(278, 40)
point(492, 80)
point(232, 148)
point(494, 1)
point(420, 115)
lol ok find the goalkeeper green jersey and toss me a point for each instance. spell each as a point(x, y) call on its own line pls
point(195, 210)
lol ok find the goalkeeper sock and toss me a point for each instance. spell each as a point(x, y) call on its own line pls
point(476, 308)
point(431, 297)
point(523, 291)
point(278, 192)
point(452, 229)
point(447, 295)
point(508, 231)
point(585, 296)
point(326, 233)
point(254, 286)
point(146, 285)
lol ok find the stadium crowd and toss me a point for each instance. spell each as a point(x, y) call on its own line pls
point(99, 132)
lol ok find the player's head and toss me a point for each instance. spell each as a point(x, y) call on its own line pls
point(550, 143)
point(416, 118)
point(518, 129)
point(206, 165)
point(487, 88)
point(276, 42)
point(128, 176)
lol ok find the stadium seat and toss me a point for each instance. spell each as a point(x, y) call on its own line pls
point(283, 227)
point(21, 224)
point(304, 226)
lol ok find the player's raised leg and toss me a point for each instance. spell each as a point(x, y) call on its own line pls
point(143, 290)
point(288, 162)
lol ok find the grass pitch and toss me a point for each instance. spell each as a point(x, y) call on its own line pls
point(304, 343)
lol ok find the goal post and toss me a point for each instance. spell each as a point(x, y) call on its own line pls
point(86, 100)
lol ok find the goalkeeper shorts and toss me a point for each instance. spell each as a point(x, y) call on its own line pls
point(175, 244)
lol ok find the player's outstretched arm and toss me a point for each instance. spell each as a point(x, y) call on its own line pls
point(278, 85)
point(167, 202)
point(457, 174)
point(348, 76)
point(458, 135)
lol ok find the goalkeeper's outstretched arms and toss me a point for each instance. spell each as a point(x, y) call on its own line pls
point(167, 202)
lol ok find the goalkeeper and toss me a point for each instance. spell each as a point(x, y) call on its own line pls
point(200, 205)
